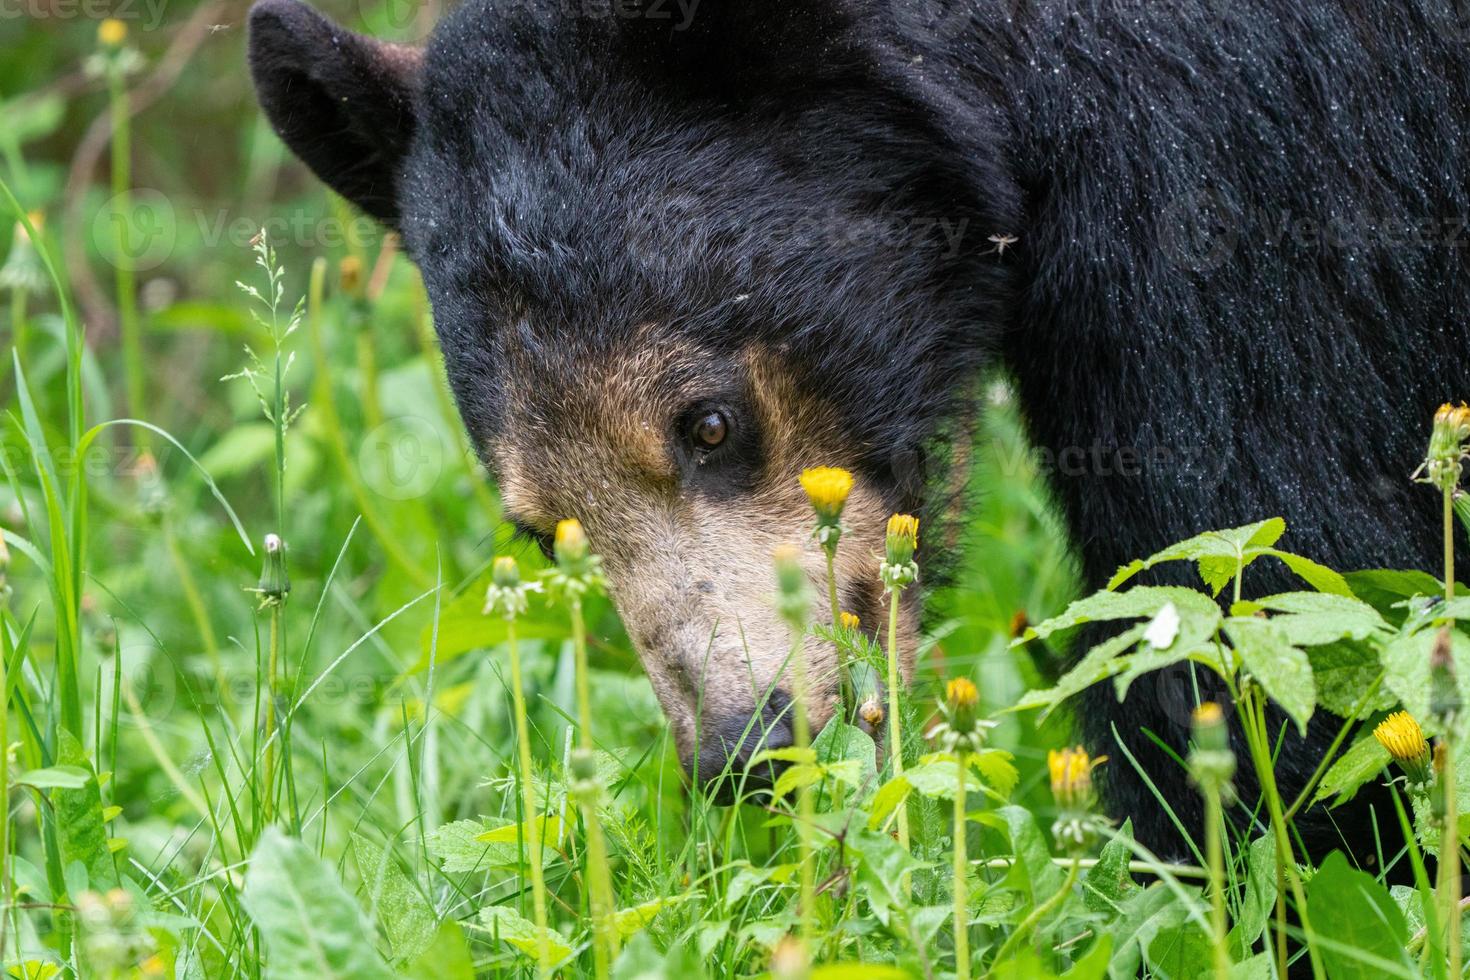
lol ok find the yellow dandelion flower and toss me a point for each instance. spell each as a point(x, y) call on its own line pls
point(961, 693)
point(111, 33)
point(827, 488)
point(1401, 735)
point(849, 621)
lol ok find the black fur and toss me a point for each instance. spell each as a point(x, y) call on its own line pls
point(790, 174)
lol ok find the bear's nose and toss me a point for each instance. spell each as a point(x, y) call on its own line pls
point(728, 743)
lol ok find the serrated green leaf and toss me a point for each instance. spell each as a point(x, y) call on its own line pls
point(1218, 554)
point(459, 846)
point(311, 927)
point(1146, 913)
point(1280, 668)
point(629, 920)
point(1345, 673)
point(1315, 618)
point(405, 915)
point(1197, 614)
point(1359, 764)
point(1183, 950)
point(1319, 577)
point(887, 799)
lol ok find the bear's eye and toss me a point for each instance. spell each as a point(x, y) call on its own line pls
point(710, 430)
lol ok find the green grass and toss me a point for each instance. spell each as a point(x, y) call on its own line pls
point(212, 775)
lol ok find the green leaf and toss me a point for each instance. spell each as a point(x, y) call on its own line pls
point(512, 833)
point(1359, 764)
point(461, 846)
point(1360, 929)
point(311, 927)
point(1260, 897)
point(1033, 871)
point(1146, 913)
point(1217, 553)
point(887, 799)
point(1182, 951)
point(1319, 577)
point(55, 777)
point(791, 754)
point(1383, 588)
point(1280, 668)
point(1406, 663)
point(1198, 616)
point(447, 958)
point(937, 777)
point(1108, 882)
point(841, 742)
point(1314, 618)
point(630, 920)
point(1101, 662)
point(81, 829)
point(405, 915)
point(506, 924)
point(1345, 672)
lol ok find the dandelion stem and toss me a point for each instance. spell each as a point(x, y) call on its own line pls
point(1039, 913)
point(599, 885)
point(895, 732)
point(961, 874)
point(805, 805)
point(1449, 842)
point(528, 803)
point(1215, 859)
point(267, 796)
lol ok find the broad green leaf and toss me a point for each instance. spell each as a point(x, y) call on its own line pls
point(507, 924)
point(937, 776)
point(1406, 662)
point(1319, 577)
point(1384, 588)
point(55, 777)
point(1345, 673)
point(1217, 553)
point(405, 915)
point(461, 847)
point(797, 777)
point(882, 865)
point(1359, 764)
point(792, 754)
point(447, 958)
point(1108, 882)
point(311, 927)
point(81, 831)
point(1184, 952)
point(1362, 933)
point(513, 833)
point(1146, 913)
point(1033, 868)
point(1314, 618)
point(1256, 905)
point(1280, 668)
point(1147, 660)
point(887, 799)
point(841, 742)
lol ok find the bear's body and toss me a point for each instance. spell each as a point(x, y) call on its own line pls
point(1212, 310)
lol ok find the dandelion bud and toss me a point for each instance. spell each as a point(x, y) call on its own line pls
point(23, 271)
point(849, 621)
point(1447, 446)
point(1401, 735)
point(792, 587)
point(111, 33)
point(827, 488)
point(1211, 761)
point(1071, 777)
point(506, 593)
point(349, 275)
point(571, 542)
point(902, 538)
point(505, 573)
point(1438, 805)
point(275, 584)
point(1444, 690)
point(960, 698)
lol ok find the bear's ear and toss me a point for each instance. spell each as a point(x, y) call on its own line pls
point(343, 103)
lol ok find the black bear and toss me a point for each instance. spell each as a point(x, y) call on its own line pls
point(677, 254)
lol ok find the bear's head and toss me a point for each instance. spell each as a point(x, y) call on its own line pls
point(675, 256)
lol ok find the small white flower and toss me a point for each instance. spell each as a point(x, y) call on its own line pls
point(1164, 628)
